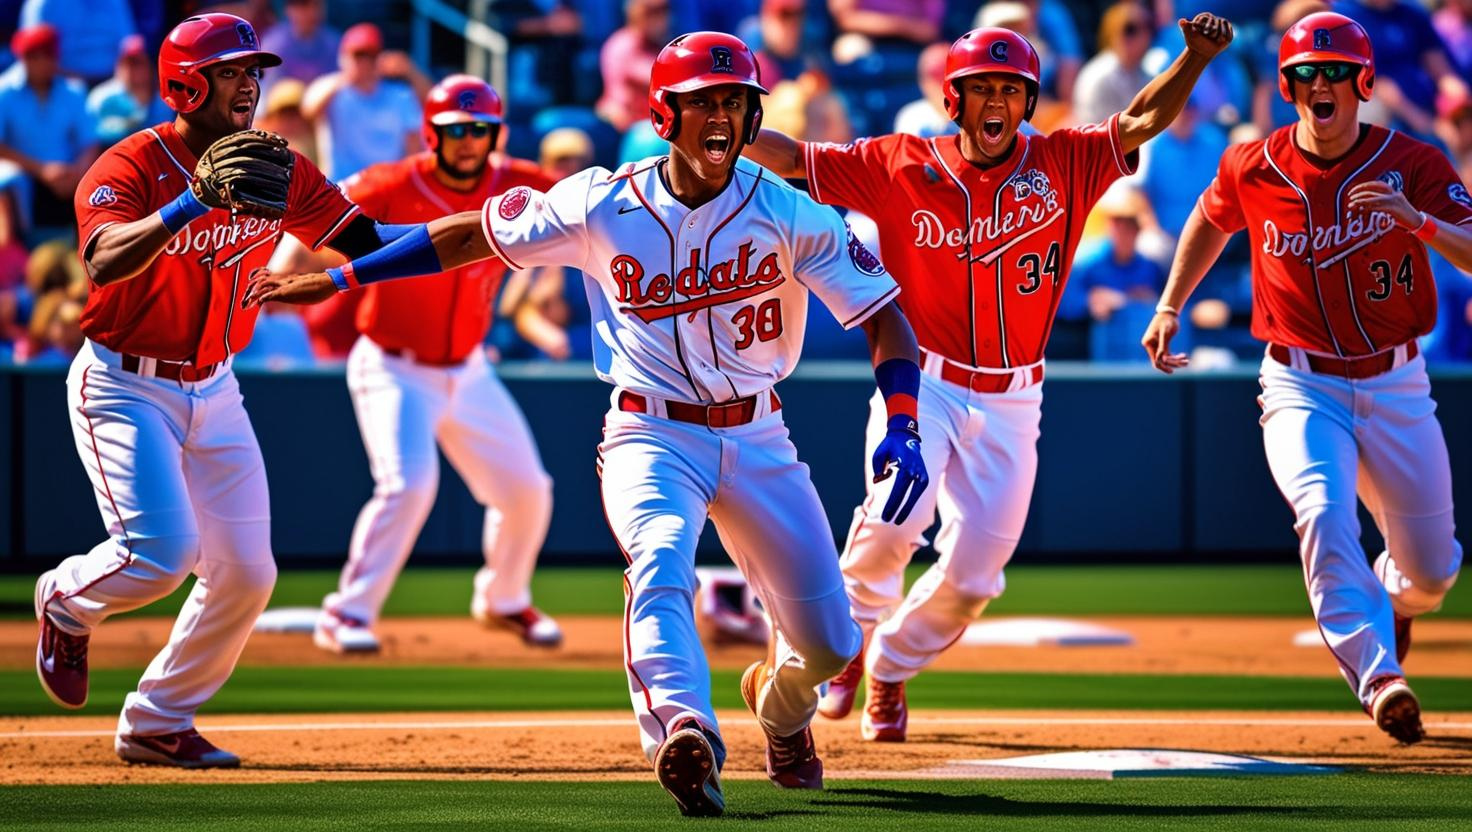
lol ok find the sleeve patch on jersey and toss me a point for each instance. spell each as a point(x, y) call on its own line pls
point(1458, 192)
point(1393, 178)
point(104, 196)
point(864, 259)
point(514, 202)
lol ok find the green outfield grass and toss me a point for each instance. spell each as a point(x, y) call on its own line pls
point(1031, 590)
point(372, 688)
point(1404, 803)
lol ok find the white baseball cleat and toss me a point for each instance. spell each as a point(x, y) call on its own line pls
point(1395, 708)
point(339, 633)
point(536, 628)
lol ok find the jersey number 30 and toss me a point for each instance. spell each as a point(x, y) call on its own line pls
point(1383, 284)
point(761, 322)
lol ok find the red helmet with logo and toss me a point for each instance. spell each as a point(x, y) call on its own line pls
point(990, 49)
point(1327, 37)
point(698, 60)
point(198, 42)
point(459, 99)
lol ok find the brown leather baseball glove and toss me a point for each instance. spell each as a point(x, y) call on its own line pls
point(248, 172)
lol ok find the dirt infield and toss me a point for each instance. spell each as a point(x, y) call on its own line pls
point(1221, 646)
point(592, 745)
point(603, 745)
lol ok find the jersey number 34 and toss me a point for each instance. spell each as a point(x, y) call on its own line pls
point(1036, 266)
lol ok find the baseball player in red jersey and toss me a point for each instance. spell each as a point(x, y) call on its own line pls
point(980, 230)
point(418, 374)
point(700, 268)
point(1340, 215)
point(156, 411)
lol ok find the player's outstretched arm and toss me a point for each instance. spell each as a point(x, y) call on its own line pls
point(1201, 244)
point(779, 153)
point(1454, 242)
point(896, 358)
point(440, 245)
point(1158, 104)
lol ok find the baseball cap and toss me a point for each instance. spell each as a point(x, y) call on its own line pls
point(566, 141)
point(285, 94)
point(361, 37)
point(132, 46)
point(41, 37)
point(1123, 201)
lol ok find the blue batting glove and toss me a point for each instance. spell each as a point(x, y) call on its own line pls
point(899, 453)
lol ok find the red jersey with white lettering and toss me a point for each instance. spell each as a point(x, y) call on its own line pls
point(1325, 278)
point(982, 254)
point(185, 305)
point(439, 318)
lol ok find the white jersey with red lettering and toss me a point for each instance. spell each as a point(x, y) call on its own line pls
point(697, 313)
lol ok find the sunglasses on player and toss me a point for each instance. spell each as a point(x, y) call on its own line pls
point(1332, 72)
point(474, 129)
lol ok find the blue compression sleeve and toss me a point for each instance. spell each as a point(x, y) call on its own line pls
point(178, 213)
point(410, 255)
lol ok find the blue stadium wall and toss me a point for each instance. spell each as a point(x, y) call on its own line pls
point(1134, 465)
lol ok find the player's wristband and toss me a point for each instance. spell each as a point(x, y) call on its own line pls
point(1167, 309)
point(1426, 230)
point(899, 384)
point(411, 255)
point(178, 213)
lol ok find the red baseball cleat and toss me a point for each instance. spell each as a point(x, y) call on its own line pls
point(184, 749)
point(687, 768)
point(534, 627)
point(61, 658)
point(1402, 638)
point(1395, 708)
point(838, 702)
point(792, 761)
point(886, 717)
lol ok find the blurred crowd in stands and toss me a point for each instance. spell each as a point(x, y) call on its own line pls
point(82, 76)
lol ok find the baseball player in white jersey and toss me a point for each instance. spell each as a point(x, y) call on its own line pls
point(699, 267)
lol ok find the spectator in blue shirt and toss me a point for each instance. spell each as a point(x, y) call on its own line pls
point(306, 44)
point(128, 101)
point(1121, 284)
point(368, 111)
point(90, 31)
point(45, 131)
point(1180, 163)
point(1411, 63)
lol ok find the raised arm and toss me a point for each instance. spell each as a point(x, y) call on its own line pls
point(440, 245)
point(779, 153)
point(1158, 104)
point(1201, 244)
point(896, 357)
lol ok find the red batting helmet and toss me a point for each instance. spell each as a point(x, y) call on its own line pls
point(458, 99)
point(1327, 37)
point(198, 42)
point(698, 60)
point(990, 49)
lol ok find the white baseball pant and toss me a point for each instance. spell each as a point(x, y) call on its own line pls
point(981, 452)
point(403, 409)
point(1326, 439)
point(661, 479)
point(181, 485)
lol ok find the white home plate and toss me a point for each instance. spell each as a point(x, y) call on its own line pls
point(288, 620)
point(1034, 632)
point(1132, 762)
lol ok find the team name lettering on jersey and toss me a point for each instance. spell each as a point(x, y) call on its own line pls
point(210, 240)
point(1338, 240)
point(724, 282)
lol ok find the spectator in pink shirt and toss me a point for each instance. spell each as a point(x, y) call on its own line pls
point(627, 60)
point(916, 21)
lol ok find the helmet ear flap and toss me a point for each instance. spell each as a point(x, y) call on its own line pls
point(663, 115)
point(1364, 82)
point(753, 116)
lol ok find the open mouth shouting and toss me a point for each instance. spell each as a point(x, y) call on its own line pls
point(1323, 110)
point(243, 107)
point(992, 129)
point(717, 146)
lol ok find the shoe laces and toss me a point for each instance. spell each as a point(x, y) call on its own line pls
point(71, 651)
point(792, 751)
point(887, 697)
